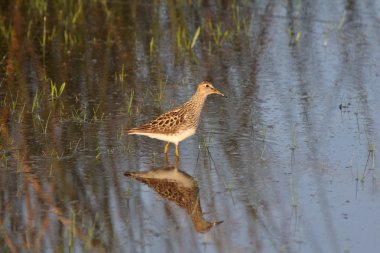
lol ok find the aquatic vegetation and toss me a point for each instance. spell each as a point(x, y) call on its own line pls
point(46, 124)
point(13, 102)
point(121, 76)
point(160, 93)
point(293, 144)
point(44, 40)
point(74, 75)
point(36, 102)
point(151, 46)
point(186, 41)
point(130, 102)
point(56, 93)
point(218, 34)
point(371, 147)
point(294, 36)
point(205, 141)
point(264, 144)
point(96, 114)
point(5, 30)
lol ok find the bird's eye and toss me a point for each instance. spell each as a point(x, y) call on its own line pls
point(207, 85)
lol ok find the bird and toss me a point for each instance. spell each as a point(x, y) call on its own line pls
point(179, 187)
point(180, 123)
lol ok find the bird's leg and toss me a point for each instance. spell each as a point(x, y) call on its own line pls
point(176, 163)
point(176, 151)
point(166, 148)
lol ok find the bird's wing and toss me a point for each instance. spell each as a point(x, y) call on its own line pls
point(167, 122)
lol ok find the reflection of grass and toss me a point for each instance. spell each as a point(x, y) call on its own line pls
point(96, 115)
point(44, 41)
point(294, 195)
point(371, 147)
point(14, 101)
point(294, 37)
point(72, 231)
point(205, 142)
point(293, 144)
point(236, 17)
point(204, 145)
point(21, 114)
point(264, 143)
point(121, 76)
point(91, 232)
point(342, 21)
point(74, 148)
point(52, 62)
point(5, 30)
point(158, 95)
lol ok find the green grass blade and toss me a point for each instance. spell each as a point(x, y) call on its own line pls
point(196, 35)
point(62, 88)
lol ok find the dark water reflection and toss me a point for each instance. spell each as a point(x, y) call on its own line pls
point(287, 162)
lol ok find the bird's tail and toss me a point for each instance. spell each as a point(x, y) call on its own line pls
point(139, 130)
point(131, 131)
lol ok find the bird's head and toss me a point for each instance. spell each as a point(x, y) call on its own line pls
point(206, 88)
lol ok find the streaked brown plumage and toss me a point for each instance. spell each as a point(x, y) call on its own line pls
point(177, 186)
point(178, 124)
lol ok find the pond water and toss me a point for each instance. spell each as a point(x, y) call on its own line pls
point(287, 161)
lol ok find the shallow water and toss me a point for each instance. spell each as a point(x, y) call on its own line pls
point(287, 161)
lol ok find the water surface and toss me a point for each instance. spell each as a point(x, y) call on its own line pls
point(288, 161)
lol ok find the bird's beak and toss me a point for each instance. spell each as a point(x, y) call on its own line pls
point(218, 92)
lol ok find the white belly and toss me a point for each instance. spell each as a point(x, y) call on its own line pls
point(176, 138)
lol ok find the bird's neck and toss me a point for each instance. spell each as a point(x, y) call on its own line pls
point(197, 102)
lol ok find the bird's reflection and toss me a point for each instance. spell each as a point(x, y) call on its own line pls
point(177, 186)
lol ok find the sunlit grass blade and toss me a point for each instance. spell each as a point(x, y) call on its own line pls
point(179, 44)
point(151, 45)
point(62, 88)
point(196, 35)
point(130, 102)
point(47, 122)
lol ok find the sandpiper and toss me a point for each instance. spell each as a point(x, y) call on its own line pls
point(179, 187)
point(178, 124)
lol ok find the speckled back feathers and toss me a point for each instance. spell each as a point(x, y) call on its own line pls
point(182, 118)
